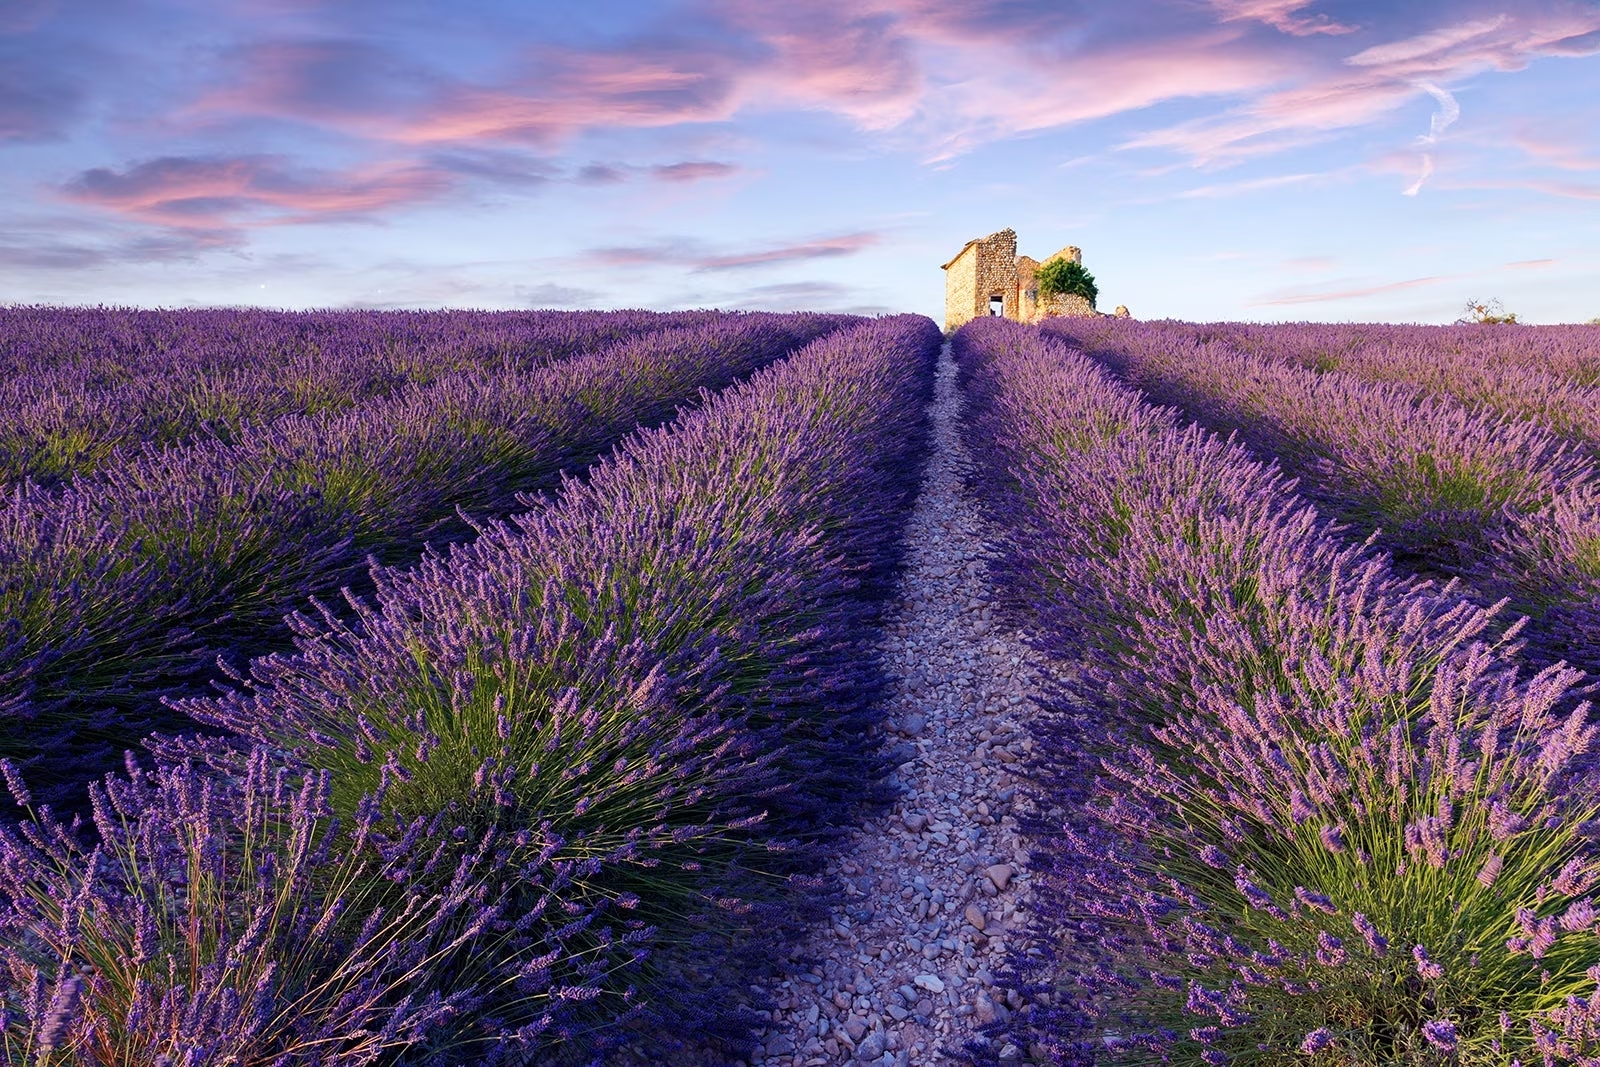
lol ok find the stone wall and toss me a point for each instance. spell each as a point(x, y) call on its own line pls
point(997, 272)
point(983, 269)
point(1027, 290)
point(960, 285)
point(1064, 304)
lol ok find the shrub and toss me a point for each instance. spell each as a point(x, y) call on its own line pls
point(234, 919)
point(1066, 278)
point(1490, 313)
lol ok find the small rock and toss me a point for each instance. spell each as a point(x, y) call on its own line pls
point(778, 1045)
point(1000, 875)
point(984, 1009)
point(976, 917)
point(914, 821)
point(856, 1028)
point(931, 982)
point(913, 725)
point(871, 1048)
point(904, 752)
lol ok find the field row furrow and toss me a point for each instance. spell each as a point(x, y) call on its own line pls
point(936, 889)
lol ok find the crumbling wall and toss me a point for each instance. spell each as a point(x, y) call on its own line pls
point(1027, 289)
point(997, 272)
point(960, 287)
point(985, 268)
point(1064, 304)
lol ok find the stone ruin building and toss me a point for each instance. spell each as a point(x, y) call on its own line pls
point(987, 277)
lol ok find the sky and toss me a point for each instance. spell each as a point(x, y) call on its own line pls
point(1214, 159)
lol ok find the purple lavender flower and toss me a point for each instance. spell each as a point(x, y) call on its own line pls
point(1426, 968)
point(1315, 901)
point(1330, 950)
point(19, 790)
point(1316, 1041)
point(1441, 1034)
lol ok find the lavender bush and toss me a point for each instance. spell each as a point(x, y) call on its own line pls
point(238, 920)
point(81, 383)
point(1546, 374)
point(1434, 476)
point(1309, 812)
point(1510, 505)
point(132, 582)
point(667, 669)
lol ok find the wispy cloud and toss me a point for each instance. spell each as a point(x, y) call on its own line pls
point(692, 253)
point(693, 171)
point(213, 192)
point(1287, 298)
point(1287, 16)
point(1252, 185)
point(1545, 187)
point(1442, 119)
point(1557, 151)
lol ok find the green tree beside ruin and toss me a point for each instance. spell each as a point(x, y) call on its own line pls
point(1063, 276)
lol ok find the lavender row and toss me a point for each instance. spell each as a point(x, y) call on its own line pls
point(1522, 374)
point(1502, 502)
point(1434, 475)
point(571, 779)
point(131, 583)
point(1305, 809)
point(1567, 354)
point(79, 384)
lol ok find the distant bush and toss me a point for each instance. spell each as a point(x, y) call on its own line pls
point(1068, 278)
point(1492, 313)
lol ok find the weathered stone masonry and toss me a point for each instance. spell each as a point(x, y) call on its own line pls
point(988, 277)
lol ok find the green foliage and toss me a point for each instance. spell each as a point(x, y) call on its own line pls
point(1067, 278)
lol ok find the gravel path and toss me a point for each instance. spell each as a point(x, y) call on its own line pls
point(934, 890)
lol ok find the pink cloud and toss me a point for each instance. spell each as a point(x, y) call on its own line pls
point(1282, 15)
point(1565, 190)
point(1329, 296)
point(691, 254)
point(359, 89)
point(212, 192)
point(943, 76)
point(1562, 154)
point(1375, 81)
point(693, 171)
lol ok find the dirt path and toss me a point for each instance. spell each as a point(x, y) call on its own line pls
point(935, 889)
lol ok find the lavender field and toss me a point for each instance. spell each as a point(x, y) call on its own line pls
point(1326, 790)
point(623, 688)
